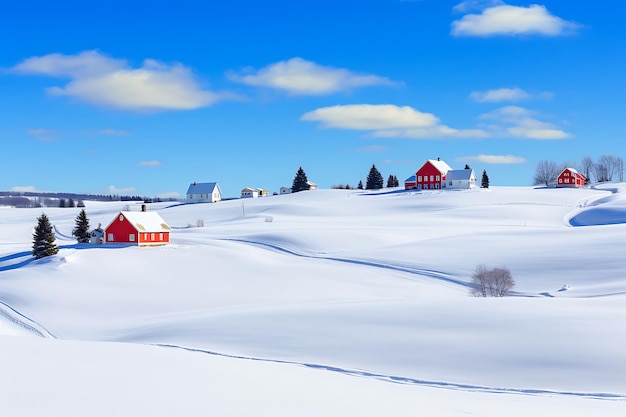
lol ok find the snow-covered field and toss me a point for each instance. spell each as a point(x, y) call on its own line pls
point(324, 303)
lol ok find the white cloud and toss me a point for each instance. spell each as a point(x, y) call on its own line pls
point(42, 134)
point(520, 122)
point(112, 132)
point(388, 121)
point(149, 163)
point(109, 82)
point(494, 159)
point(510, 20)
point(501, 94)
point(172, 194)
point(26, 189)
point(297, 76)
point(370, 117)
point(471, 5)
point(433, 132)
point(112, 189)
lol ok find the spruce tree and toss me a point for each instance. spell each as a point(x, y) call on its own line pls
point(390, 182)
point(484, 183)
point(43, 238)
point(300, 182)
point(396, 183)
point(374, 180)
point(360, 186)
point(81, 231)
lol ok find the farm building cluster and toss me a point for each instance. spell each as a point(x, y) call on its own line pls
point(141, 228)
point(210, 192)
point(149, 229)
point(435, 174)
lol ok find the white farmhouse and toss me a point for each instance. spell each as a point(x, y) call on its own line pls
point(249, 192)
point(460, 179)
point(285, 190)
point(204, 192)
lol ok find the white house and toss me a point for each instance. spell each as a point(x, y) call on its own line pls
point(462, 179)
point(204, 192)
point(285, 190)
point(312, 185)
point(249, 192)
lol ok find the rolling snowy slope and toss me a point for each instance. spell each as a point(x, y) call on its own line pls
point(327, 302)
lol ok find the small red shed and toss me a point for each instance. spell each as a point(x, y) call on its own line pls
point(569, 177)
point(409, 183)
point(141, 228)
point(432, 175)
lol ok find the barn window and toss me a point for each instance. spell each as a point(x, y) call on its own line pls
point(160, 236)
point(438, 178)
point(131, 237)
point(151, 236)
point(110, 238)
point(432, 178)
point(419, 178)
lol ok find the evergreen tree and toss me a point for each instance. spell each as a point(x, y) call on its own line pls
point(61, 202)
point(43, 238)
point(81, 231)
point(467, 167)
point(390, 182)
point(374, 180)
point(360, 186)
point(396, 183)
point(71, 203)
point(300, 182)
point(484, 183)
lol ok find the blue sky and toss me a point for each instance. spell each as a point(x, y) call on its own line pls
point(146, 98)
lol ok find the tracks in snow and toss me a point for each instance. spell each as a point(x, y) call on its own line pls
point(414, 381)
point(24, 322)
point(438, 275)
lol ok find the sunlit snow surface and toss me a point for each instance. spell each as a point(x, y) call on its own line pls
point(326, 302)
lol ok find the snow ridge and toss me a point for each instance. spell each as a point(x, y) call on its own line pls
point(414, 381)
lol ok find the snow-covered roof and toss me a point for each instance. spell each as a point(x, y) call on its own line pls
point(203, 188)
point(412, 178)
point(573, 171)
point(440, 165)
point(146, 221)
point(460, 174)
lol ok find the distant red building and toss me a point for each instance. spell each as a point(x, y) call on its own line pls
point(138, 227)
point(432, 175)
point(569, 177)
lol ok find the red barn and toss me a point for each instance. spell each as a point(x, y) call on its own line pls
point(432, 175)
point(138, 227)
point(569, 177)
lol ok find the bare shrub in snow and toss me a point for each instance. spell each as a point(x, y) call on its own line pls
point(494, 282)
point(199, 223)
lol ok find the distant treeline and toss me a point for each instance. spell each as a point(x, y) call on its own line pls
point(33, 199)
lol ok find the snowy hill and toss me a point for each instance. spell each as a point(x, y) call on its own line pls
point(326, 302)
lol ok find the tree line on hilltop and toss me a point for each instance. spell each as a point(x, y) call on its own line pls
point(374, 181)
point(35, 200)
point(605, 168)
